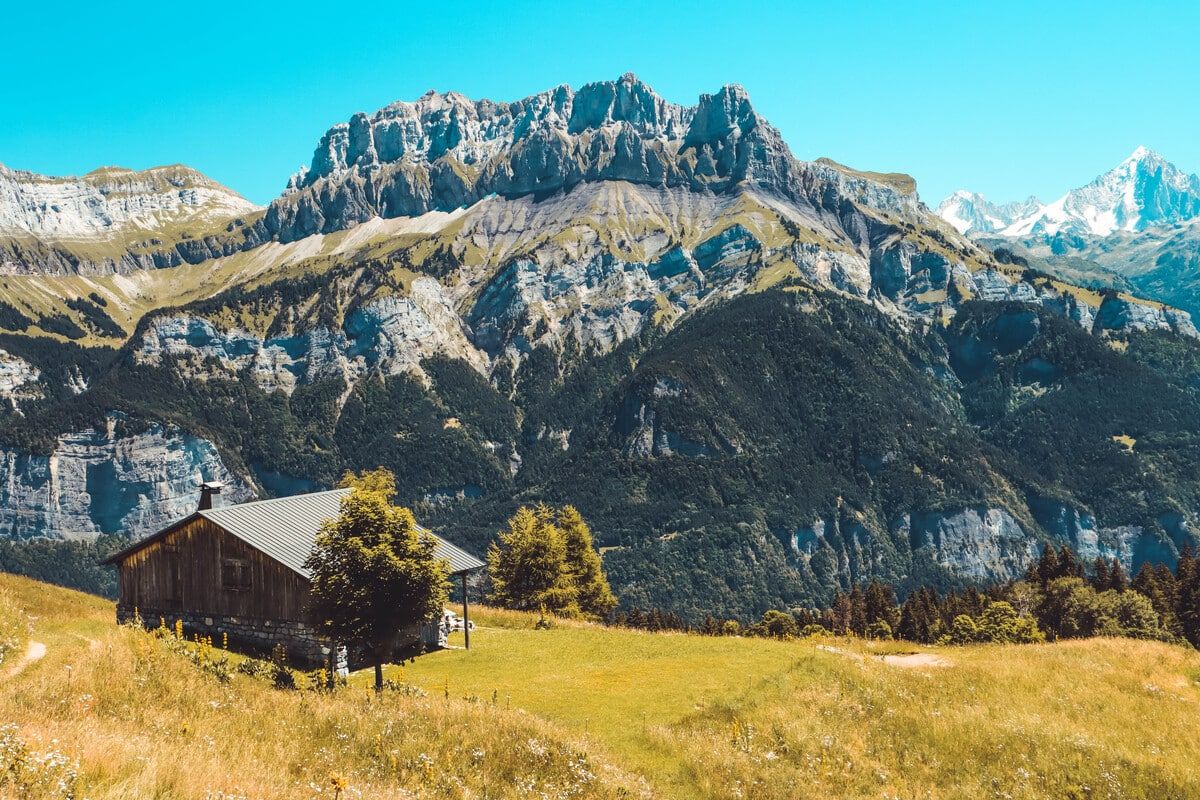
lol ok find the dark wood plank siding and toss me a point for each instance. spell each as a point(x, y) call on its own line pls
point(183, 571)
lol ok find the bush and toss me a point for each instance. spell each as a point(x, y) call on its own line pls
point(778, 625)
point(879, 629)
point(1000, 623)
point(963, 630)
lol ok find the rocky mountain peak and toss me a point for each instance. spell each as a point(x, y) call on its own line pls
point(444, 151)
point(1144, 191)
point(111, 199)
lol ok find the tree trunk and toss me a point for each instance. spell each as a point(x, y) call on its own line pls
point(378, 673)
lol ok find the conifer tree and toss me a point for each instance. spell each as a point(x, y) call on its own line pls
point(593, 594)
point(1047, 567)
point(879, 604)
point(858, 612)
point(1068, 564)
point(1187, 610)
point(527, 565)
point(1100, 574)
point(1118, 581)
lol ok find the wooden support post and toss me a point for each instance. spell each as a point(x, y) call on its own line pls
point(466, 614)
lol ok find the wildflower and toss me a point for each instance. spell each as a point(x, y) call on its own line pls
point(338, 783)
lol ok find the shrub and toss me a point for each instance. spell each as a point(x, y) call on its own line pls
point(879, 629)
point(1000, 623)
point(778, 625)
point(963, 630)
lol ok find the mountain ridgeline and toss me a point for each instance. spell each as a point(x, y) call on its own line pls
point(1135, 228)
point(760, 379)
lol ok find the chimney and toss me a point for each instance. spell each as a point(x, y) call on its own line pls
point(210, 493)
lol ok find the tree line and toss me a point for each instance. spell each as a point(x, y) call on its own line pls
point(1057, 598)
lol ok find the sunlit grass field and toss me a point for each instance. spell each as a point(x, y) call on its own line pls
point(581, 711)
point(733, 717)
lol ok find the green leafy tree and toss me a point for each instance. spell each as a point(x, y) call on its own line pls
point(963, 630)
point(374, 574)
point(593, 594)
point(1002, 624)
point(528, 565)
point(1129, 614)
point(778, 625)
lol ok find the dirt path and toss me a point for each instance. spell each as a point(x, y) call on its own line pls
point(907, 660)
point(916, 660)
point(35, 651)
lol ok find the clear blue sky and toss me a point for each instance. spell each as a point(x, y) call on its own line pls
point(1022, 97)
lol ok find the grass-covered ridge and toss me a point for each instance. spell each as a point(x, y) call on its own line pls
point(584, 711)
point(733, 717)
point(142, 721)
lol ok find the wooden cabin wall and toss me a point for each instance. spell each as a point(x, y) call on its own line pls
point(183, 571)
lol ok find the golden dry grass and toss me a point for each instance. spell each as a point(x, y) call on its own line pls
point(579, 710)
point(144, 722)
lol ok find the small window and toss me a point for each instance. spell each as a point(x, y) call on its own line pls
point(235, 574)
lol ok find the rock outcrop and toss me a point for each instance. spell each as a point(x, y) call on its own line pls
point(117, 220)
point(112, 479)
point(388, 335)
point(18, 380)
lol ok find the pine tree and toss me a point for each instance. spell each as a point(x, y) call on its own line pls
point(528, 566)
point(879, 604)
point(858, 612)
point(841, 613)
point(1187, 608)
point(1047, 568)
point(1100, 574)
point(1068, 564)
point(919, 617)
point(593, 594)
point(1118, 581)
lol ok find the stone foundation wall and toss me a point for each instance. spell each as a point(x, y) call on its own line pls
point(254, 636)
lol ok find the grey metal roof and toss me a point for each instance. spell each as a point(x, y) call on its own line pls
point(286, 529)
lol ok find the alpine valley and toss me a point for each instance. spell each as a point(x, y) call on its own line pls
point(760, 379)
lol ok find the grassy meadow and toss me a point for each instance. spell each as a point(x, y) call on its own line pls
point(580, 711)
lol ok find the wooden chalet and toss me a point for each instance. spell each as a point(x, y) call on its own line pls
point(238, 571)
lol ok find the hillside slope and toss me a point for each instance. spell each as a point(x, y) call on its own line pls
point(761, 378)
point(613, 713)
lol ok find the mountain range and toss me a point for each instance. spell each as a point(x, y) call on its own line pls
point(760, 378)
point(1135, 228)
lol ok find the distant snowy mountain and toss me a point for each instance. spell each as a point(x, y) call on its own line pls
point(1135, 228)
point(971, 212)
point(1143, 191)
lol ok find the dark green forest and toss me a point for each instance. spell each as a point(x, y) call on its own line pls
point(697, 453)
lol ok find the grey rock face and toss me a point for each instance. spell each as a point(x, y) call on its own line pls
point(981, 544)
point(445, 151)
point(109, 480)
point(1131, 545)
point(18, 380)
point(390, 334)
point(1117, 314)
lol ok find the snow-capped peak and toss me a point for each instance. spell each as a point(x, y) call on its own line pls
point(1143, 191)
point(971, 212)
